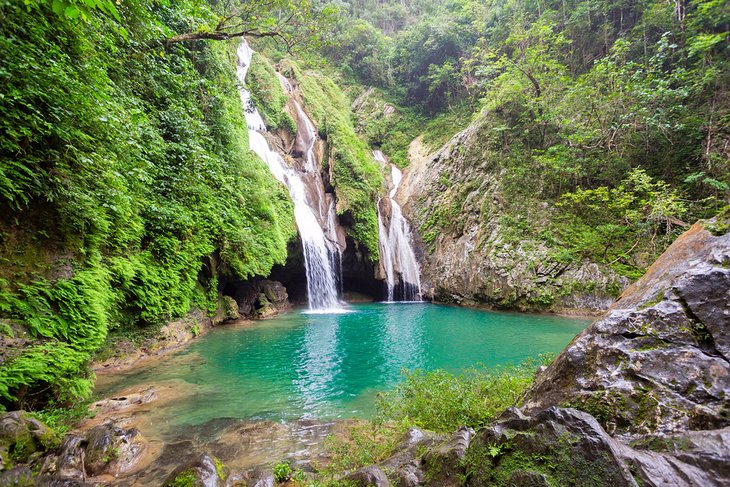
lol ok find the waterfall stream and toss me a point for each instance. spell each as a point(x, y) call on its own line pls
point(314, 210)
point(402, 275)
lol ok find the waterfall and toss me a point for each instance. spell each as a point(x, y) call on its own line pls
point(314, 216)
point(402, 275)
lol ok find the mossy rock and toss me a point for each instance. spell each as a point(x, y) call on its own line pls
point(22, 436)
point(206, 471)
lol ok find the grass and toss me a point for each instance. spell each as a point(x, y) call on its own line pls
point(442, 402)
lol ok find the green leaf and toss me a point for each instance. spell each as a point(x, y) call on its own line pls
point(72, 12)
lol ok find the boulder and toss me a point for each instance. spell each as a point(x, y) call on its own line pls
point(257, 477)
point(659, 361)
point(112, 450)
point(230, 308)
point(405, 464)
point(23, 437)
point(568, 447)
point(444, 463)
point(69, 463)
point(19, 476)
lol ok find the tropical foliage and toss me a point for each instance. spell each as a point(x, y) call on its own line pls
point(126, 184)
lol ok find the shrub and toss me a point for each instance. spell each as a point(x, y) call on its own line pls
point(282, 471)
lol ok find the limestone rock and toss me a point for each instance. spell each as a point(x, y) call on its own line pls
point(258, 477)
point(405, 464)
point(658, 362)
point(371, 476)
point(230, 308)
point(568, 447)
point(20, 476)
point(69, 463)
point(444, 462)
point(22, 437)
point(468, 254)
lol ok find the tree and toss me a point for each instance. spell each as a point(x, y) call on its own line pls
point(292, 22)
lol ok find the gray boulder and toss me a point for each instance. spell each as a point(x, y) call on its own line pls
point(659, 361)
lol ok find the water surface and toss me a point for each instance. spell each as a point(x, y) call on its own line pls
point(318, 366)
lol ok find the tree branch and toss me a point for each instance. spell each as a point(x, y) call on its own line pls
point(218, 36)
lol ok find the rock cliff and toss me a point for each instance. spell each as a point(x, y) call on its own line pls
point(471, 248)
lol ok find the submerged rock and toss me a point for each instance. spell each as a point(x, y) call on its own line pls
point(659, 361)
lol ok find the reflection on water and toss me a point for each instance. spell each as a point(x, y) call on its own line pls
point(317, 364)
point(329, 366)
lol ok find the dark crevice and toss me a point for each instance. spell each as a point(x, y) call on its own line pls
point(702, 335)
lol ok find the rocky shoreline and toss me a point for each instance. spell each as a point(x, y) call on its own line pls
point(265, 299)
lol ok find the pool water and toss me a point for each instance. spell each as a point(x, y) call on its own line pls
point(320, 366)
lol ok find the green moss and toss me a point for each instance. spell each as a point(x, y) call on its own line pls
point(558, 461)
point(187, 478)
point(220, 468)
point(654, 300)
point(719, 225)
point(606, 406)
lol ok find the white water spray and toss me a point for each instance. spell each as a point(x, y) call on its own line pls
point(402, 274)
point(322, 254)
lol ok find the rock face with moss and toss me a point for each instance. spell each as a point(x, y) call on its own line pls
point(477, 248)
point(659, 361)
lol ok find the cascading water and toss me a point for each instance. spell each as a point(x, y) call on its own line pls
point(322, 254)
point(402, 275)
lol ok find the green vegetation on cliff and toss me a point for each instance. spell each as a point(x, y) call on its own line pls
point(268, 95)
point(355, 175)
point(602, 125)
point(126, 185)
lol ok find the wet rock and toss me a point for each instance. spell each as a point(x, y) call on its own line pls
point(275, 292)
point(22, 437)
point(258, 477)
point(658, 362)
point(125, 401)
point(112, 450)
point(556, 447)
point(58, 482)
point(69, 463)
point(368, 476)
point(205, 471)
point(405, 463)
point(230, 308)
point(568, 447)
